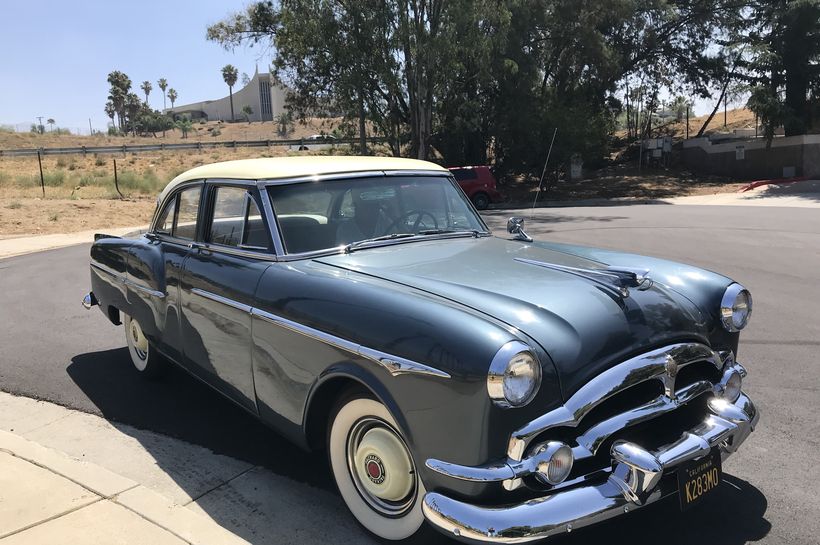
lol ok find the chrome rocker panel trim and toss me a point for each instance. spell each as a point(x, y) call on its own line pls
point(631, 484)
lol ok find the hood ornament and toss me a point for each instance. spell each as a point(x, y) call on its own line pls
point(515, 226)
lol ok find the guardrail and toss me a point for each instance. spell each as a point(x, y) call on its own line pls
point(140, 148)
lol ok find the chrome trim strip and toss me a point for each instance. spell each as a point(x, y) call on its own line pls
point(395, 365)
point(399, 366)
point(632, 484)
point(267, 210)
point(123, 279)
point(224, 300)
point(145, 289)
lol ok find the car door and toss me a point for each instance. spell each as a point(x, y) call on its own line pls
point(173, 231)
point(217, 289)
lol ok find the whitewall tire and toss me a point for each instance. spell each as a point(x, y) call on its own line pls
point(374, 470)
point(147, 361)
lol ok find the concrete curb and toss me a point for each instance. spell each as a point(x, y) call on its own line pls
point(181, 522)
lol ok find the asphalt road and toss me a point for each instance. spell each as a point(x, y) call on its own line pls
point(50, 348)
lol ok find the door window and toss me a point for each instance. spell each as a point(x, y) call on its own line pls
point(185, 226)
point(236, 220)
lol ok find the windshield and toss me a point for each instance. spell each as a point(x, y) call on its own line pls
point(322, 215)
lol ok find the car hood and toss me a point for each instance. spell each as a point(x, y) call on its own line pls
point(583, 327)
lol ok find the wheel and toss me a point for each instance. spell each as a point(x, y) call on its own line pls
point(147, 361)
point(374, 470)
point(481, 201)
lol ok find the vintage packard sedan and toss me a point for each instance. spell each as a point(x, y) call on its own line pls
point(492, 387)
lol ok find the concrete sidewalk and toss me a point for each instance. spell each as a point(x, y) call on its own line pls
point(47, 497)
point(70, 477)
point(12, 246)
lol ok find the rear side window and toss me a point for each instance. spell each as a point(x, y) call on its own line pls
point(236, 220)
point(185, 226)
point(464, 174)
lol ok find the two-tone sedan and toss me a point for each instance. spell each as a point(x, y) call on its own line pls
point(491, 387)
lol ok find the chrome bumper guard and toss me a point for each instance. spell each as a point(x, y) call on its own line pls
point(632, 483)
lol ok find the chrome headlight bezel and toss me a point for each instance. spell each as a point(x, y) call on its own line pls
point(500, 372)
point(728, 308)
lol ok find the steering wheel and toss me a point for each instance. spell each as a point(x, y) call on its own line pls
point(407, 215)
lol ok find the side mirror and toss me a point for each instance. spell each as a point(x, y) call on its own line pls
point(515, 226)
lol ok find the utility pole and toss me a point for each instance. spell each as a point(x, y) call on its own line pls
point(40, 124)
point(90, 129)
point(687, 121)
point(725, 101)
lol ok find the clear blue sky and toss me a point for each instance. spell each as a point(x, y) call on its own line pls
point(56, 55)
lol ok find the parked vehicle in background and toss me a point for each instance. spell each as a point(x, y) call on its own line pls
point(479, 184)
point(492, 387)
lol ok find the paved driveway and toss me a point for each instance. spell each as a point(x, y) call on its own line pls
point(50, 348)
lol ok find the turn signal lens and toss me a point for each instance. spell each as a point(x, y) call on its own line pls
point(731, 390)
point(554, 462)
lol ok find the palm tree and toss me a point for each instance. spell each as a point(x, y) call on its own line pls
point(111, 111)
point(230, 74)
point(146, 88)
point(172, 96)
point(162, 83)
point(50, 121)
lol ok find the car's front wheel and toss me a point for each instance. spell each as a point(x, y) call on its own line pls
point(481, 201)
point(150, 363)
point(374, 470)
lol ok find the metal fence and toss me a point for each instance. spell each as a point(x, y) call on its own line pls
point(141, 148)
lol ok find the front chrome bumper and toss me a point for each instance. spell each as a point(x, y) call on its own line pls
point(632, 483)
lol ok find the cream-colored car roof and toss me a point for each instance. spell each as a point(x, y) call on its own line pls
point(295, 167)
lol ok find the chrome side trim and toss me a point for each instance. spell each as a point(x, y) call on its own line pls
point(123, 279)
point(663, 363)
point(224, 300)
point(395, 365)
point(399, 366)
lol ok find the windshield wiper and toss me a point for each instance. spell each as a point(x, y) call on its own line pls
point(353, 245)
point(474, 232)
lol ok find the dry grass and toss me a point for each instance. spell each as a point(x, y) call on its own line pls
point(200, 133)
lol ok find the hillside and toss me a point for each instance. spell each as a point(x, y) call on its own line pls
point(201, 132)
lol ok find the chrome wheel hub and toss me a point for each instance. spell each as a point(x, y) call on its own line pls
point(138, 339)
point(381, 467)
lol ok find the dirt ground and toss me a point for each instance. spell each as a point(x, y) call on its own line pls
point(36, 216)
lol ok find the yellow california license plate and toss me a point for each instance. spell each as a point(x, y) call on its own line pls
point(698, 479)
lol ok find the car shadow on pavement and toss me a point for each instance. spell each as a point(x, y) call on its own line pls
point(180, 406)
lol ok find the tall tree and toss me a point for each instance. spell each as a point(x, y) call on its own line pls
point(162, 83)
point(172, 96)
point(111, 111)
point(782, 61)
point(118, 94)
point(50, 122)
point(230, 75)
point(146, 88)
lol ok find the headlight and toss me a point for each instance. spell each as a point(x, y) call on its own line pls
point(735, 308)
point(514, 375)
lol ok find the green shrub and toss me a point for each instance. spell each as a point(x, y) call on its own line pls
point(61, 162)
point(53, 217)
point(146, 183)
point(98, 161)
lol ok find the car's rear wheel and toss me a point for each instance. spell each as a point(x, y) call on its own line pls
point(375, 471)
point(481, 201)
point(147, 361)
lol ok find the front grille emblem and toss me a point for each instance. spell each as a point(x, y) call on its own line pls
point(669, 377)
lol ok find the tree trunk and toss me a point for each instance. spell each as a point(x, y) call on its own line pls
point(714, 110)
point(362, 127)
point(230, 92)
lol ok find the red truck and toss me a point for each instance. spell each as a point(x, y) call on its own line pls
point(479, 184)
